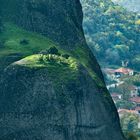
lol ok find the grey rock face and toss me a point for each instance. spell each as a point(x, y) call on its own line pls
point(59, 20)
point(33, 108)
point(32, 105)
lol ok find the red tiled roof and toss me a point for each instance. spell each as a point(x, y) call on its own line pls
point(132, 88)
point(135, 99)
point(123, 70)
point(115, 95)
point(137, 108)
point(126, 111)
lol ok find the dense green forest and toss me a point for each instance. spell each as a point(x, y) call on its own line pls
point(112, 32)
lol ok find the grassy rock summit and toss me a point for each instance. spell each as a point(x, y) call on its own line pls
point(51, 86)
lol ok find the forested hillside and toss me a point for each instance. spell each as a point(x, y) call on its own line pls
point(112, 32)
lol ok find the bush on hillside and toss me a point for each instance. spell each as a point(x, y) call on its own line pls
point(24, 42)
point(53, 50)
point(66, 56)
point(131, 136)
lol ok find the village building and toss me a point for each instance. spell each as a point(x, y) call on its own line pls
point(111, 86)
point(117, 73)
point(135, 100)
point(116, 97)
point(123, 71)
point(134, 91)
point(109, 73)
point(126, 111)
point(137, 109)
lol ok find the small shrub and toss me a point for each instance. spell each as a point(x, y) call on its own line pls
point(131, 136)
point(24, 42)
point(44, 52)
point(65, 56)
point(53, 50)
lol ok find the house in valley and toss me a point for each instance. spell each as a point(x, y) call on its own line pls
point(118, 73)
point(134, 91)
point(137, 109)
point(116, 97)
point(126, 111)
point(109, 73)
point(123, 71)
point(135, 100)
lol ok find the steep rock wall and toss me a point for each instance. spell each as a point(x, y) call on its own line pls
point(51, 104)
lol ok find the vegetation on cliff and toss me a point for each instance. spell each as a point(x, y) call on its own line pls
point(16, 40)
point(19, 43)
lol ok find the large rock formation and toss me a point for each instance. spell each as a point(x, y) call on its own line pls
point(53, 97)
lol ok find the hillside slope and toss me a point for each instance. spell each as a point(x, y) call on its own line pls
point(112, 33)
point(51, 86)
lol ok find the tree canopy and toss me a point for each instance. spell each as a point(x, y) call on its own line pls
point(112, 32)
